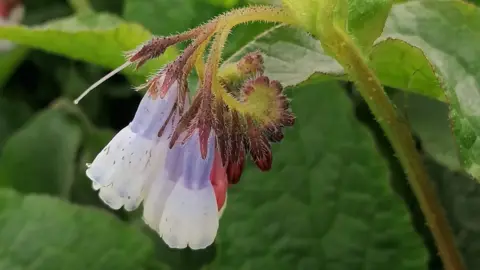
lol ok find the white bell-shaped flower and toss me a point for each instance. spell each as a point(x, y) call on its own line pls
point(123, 170)
point(184, 191)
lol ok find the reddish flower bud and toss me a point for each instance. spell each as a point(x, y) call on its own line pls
point(233, 75)
point(251, 64)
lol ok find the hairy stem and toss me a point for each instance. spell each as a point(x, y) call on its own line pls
point(190, 56)
point(199, 64)
point(225, 24)
point(401, 138)
point(229, 20)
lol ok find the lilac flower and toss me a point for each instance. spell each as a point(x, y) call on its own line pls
point(180, 202)
point(179, 158)
point(127, 165)
point(190, 216)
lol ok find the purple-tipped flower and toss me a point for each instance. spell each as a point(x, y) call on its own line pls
point(179, 158)
point(175, 183)
point(126, 166)
point(190, 215)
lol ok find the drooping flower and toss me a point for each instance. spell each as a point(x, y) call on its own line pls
point(127, 165)
point(179, 157)
point(190, 215)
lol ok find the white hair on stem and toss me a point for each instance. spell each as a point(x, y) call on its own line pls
point(103, 79)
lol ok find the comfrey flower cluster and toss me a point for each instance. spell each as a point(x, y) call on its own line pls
point(178, 155)
point(11, 12)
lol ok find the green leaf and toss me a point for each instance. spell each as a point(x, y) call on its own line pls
point(224, 3)
point(326, 204)
point(402, 66)
point(43, 233)
point(460, 196)
point(429, 120)
point(9, 61)
point(306, 59)
point(182, 16)
point(366, 19)
point(96, 38)
point(162, 17)
point(443, 31)
point(39, 157)
point(305, 56)
point(13, 115)
point(269, 2)
point(242, 35)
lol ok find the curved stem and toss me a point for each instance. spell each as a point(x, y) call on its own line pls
point(229, 20)
point(199, 64)
point(402, 141)
point(225, 24)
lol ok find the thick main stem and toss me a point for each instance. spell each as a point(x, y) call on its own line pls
point(401, 138)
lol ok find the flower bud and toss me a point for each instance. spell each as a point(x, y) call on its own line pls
point(233, 75)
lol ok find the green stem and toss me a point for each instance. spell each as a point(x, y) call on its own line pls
point(398, 132)
point(81, 6)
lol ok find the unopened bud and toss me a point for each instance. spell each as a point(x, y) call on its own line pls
point(251, 64)
point(233, 75)
point(151, 49)
point(264, 98)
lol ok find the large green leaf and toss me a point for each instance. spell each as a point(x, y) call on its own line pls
point(9, 61)
point(305, 56)
point(460, 196)
point(40, 156)
point(429, 120)
point(13, 114)
point(96, 38)
point(307, 59)
point(43, 233)
point(443, 31)
point(326, 204)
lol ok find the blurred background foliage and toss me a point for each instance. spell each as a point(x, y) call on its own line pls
point(336, 197)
